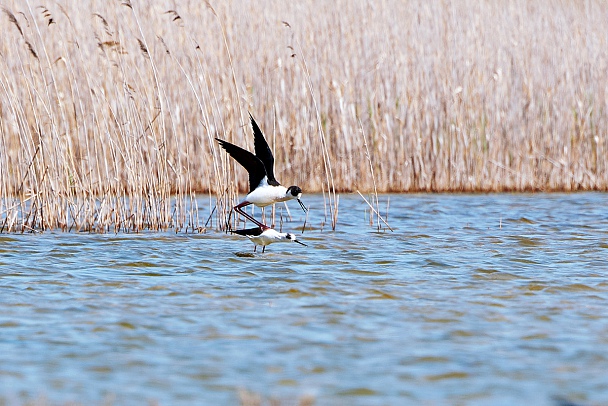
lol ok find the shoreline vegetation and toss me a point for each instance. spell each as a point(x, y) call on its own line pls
point(109, 109)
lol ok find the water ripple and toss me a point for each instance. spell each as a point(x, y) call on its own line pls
point(494, 299)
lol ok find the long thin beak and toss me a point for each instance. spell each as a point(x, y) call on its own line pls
point(300, 242)
point(302, 206)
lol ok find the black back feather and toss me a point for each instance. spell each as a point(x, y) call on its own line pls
point(253, 164)
point(263, 152)
point(254, 232)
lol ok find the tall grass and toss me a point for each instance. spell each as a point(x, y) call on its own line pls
point(109, 109)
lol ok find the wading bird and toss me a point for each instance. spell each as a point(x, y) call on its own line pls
point(264, 189)
point(264, 236)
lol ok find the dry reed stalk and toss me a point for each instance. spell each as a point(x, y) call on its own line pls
point(373, 209)
point(376, 201)
point(329, 178)
point(108, 111)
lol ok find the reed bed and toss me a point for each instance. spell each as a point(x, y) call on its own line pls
point(109, 109)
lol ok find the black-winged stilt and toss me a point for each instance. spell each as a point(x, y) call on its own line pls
point(264, 236)
point(264, 189)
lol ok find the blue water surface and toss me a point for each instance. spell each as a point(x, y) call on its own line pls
point(471, 300)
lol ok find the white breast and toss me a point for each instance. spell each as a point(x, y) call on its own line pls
point(265, 194)
point(267, 237)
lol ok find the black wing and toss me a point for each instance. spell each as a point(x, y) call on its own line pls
point(263, 152)
point(254, 166)
point(254, 232)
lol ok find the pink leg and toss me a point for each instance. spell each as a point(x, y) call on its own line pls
point(237, 208)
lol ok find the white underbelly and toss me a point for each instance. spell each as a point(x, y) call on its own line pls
point(265, 196)
point(266, 238)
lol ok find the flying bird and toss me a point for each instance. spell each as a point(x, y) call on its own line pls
point(264, 189)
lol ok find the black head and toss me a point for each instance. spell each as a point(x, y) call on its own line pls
point(292, 237)
point(295, 191)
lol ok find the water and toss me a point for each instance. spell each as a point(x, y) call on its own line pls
point(473, 300)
